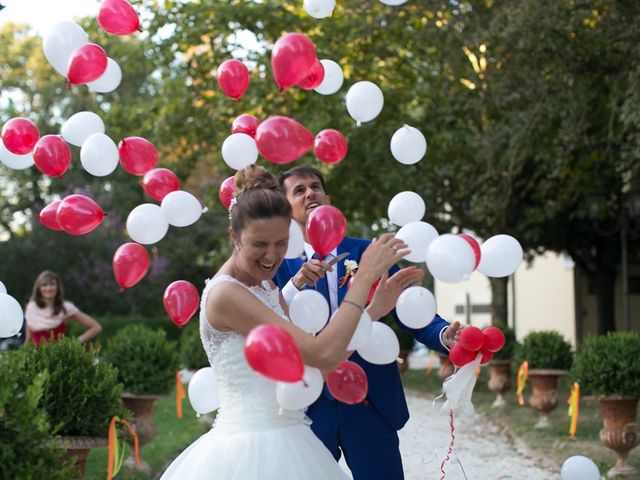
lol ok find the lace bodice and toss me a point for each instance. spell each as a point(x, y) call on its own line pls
point(247, 399)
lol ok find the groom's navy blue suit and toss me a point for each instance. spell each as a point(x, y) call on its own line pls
point(367, 432)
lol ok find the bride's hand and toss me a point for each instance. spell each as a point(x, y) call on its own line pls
point(383, 252)
point(389, 289)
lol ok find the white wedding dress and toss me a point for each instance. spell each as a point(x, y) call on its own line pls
point(252, 438)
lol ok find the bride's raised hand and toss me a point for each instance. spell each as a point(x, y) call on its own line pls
point(385, 251)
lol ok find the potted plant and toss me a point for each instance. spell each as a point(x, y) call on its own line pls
point(79, 395)
point(609, 367)
point(147, 363)
point(549, 357)
point(500, 366)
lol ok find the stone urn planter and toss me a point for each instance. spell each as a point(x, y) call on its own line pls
point(544, 397)
point(79, 448)
point(499, 380)
point(143, 407)
point(620, 432)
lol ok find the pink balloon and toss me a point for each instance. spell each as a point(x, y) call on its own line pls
point(52, 155)
point(86, 64)
point(330, 146)
point(314, 77)
point(460, 356)
point(474, 245)
point(326, 228)
point(118, 17)
point(48, 216)
point(233, 78)
point(245, 123)
point(271, 351)
point(78, 214)
point(471, 338)
point(130, 264)
point(137, 155)
point(493, 339)
point(292, 57)
point(225, 193)
point(348, 383)
point(20, 135)
point(181, 301)
point(157, 183)
point(282, 140)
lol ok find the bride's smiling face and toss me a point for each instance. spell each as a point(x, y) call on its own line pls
point(261, 246)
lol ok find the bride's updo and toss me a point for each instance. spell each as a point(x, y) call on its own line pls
point(257, 196)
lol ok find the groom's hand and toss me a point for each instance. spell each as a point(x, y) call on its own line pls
point(451, 335)
point(310, 273)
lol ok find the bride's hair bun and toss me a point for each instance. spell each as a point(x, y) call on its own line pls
point(254, 177)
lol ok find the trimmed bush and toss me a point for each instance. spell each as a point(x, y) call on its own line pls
point(510, 344)
point(192, 354)
point(609, 364)
point(546, 349)
point(80, 394)
point(146, 361)
point(25, 449)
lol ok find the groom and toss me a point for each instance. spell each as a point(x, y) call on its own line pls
point(367, 432)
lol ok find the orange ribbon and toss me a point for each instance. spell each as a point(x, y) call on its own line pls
point(115, 456)
point(432, 359)
point(180, 394)
point(521, 381)
point(574, 404)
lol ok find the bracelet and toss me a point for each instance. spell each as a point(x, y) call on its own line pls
point(354, 304)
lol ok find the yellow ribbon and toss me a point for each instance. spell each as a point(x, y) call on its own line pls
point(574, 404)
point(115, 455)
point(521, 381)
point(180, 394)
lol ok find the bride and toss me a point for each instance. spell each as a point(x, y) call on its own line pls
point(252, 438)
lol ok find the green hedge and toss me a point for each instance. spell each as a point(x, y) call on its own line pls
point(192, 354)
point(510, 344)
point(545, 349)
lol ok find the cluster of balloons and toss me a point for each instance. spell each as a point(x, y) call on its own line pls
point(75, 214)
point(474, 341)
point(11, 315)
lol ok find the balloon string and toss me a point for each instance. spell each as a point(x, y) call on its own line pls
point(453, 437)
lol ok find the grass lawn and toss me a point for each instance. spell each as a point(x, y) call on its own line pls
point(554, 442)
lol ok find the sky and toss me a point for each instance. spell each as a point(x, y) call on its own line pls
point(42, 14)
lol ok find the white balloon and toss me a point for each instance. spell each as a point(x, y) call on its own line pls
point(13, 161)
point(180, 208)
point(319, 8)
point(309, 310)
point(406, 207)
point(364, 101)
point(393, 3)
point(301, 394)
point(61, 41)
point(146, 224)
point(500, 256)
point(579, 467)
point(11, 316)
point(109, 80)
point(333, 78)
point(3, 289)
point(80, 126)
point(416, 307)
point(408, 145)
point(450, 258)
point(382, 347)
point(362, 333)
point(239, 151)
point(203, 391)
point(99, 155)
point(296, 241)
point(418, 235)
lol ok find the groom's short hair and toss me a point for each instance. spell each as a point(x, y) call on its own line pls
point(301, 171)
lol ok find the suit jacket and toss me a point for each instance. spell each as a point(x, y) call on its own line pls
point(385, 386)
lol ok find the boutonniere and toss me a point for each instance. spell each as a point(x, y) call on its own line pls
point(350, 267)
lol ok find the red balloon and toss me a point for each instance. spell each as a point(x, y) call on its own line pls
point(181, 301)
point(330, 146)
point(86, 64)
point(372, 290)
point(493, 339)
point(326, 227)
point(486, 356)
point(78, 214)
point(471, 339)
point(137, 155)
point(271, 351)
point(118, 17)
point(20, 135)
point(52, 155)
point(314, 77)
point(348, 383)
point(233, 78)
point(157, 183)
point(245, 123)
point(292, 57)
point(460, 356)
point(282, 140)
point(474, 245)
point(48, 216)
point(130, 264)
point(225, 193)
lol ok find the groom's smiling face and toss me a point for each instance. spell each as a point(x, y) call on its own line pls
point(305, 194)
